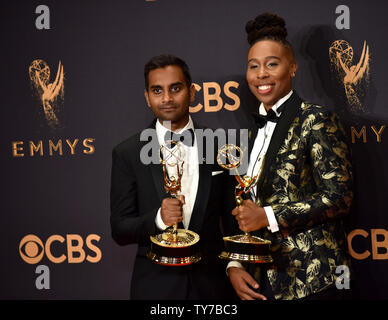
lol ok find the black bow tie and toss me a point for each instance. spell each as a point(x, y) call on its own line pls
point(262, 120)
point(186, 137)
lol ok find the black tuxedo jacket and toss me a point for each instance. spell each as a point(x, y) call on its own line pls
point(136, 194)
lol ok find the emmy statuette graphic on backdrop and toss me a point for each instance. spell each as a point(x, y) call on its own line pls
point(48, 93)
point(173, 247)
point(246, 247)
point(351, 75)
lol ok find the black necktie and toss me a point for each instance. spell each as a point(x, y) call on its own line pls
point(186, 137)
point(262, 120)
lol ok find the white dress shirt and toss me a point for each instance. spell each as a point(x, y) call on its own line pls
point(190, 176)
point(258, 152)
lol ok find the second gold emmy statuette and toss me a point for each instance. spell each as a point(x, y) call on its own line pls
point(173, 247)
point(246, 247)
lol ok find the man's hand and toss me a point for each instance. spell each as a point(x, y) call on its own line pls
point(171, 210)
point(250, 216)
point(242, 283)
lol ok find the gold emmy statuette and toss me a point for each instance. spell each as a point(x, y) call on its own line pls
point(243, 248)
point(173, 247)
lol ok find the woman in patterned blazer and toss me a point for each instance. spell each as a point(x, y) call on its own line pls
point(300, 153)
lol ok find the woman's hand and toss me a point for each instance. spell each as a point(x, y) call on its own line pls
point(250, 216)
point(243, 283)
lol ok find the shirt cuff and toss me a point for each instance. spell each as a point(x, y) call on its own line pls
point(234, 264)
point(273, 224)
point(159, 221)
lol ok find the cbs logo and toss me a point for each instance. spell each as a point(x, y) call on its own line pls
point(32, 249)
point(212, 92)
point(378, 240)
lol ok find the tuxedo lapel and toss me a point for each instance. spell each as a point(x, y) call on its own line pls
point(202, 198)
point(252, 134)
point(157, 176)
point(203, 191)
point(291, 108)
point(155, 168)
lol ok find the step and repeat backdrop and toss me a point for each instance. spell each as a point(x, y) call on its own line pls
point(71, 88)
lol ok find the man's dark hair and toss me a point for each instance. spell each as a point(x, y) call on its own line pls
point(163, 61)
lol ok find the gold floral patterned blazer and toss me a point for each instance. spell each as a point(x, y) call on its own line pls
point(307, 180)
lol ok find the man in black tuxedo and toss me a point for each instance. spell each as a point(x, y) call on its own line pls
point(141, 208)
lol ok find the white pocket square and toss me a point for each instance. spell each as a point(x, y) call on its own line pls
point(214, 173)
